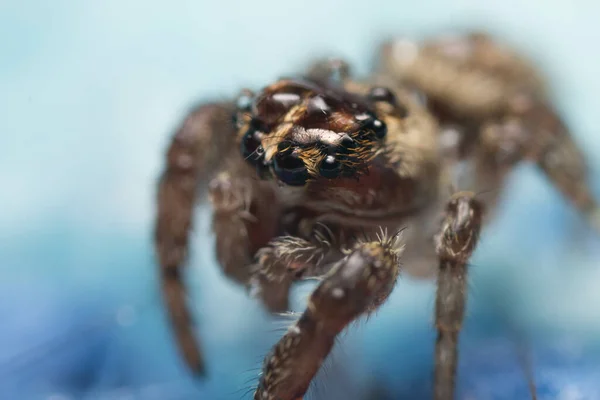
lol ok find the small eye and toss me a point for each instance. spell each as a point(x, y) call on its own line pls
point(372, 123)
point(330, 167)
point(347, 146)
point(379, 127)
point(384, 94)
point(251, 148)
point(348, 142)
point(290, 169)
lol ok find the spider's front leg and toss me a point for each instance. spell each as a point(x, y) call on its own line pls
point(455, 244)
point(241, 221)
point(205, 136)
point(356, 285)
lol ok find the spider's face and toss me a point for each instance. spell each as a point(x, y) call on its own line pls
point(297, 131)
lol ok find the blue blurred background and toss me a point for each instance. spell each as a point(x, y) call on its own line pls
point(89, 95)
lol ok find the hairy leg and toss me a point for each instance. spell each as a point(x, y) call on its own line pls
point(278, 265)
point(204, 136)
point(533, 131)
point(560, 158)
point(455, 243)
point(306, 250)
point(241, 222)
point(356, 285)
point(500, 146)
point(474, 79)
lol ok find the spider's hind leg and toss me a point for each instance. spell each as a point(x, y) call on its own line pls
point(562, 161)
point(547, 141)
point(356, 285)
point(455, 244)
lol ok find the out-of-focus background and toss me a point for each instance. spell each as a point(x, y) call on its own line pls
point(89, 95)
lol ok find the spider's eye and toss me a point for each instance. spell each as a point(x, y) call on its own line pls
point(372, 123)
point(379, 128)
point(383, 94)
point(330, 167)
point(250, 146)
point(290, 169)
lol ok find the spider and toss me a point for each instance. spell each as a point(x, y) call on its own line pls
point(316, 176)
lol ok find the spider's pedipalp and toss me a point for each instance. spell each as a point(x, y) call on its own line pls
point(455, 244)
point(356, 285)
point(284, 260)
point(302, 254)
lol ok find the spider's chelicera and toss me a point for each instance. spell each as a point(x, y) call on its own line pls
point(316, 177)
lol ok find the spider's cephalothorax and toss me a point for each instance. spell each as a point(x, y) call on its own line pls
point(349, 150)
point(315, 176)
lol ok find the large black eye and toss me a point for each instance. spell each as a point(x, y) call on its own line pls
point(373, 124)
point(330, 167)
point(290, 169)
point(348, 145)
point(250, 146)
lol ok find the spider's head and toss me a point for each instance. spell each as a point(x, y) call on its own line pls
point(298, 131)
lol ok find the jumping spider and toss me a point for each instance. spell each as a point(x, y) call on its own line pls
point(314, 176)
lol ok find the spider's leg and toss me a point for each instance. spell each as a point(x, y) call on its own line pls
point(193, 153)
point(356, 285)
point(455, 243)
point(561, 159)
point(500, 145)
point(284, 260)
point(533, 131)
point(241, 221)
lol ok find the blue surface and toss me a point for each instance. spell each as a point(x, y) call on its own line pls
point(89, 94)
